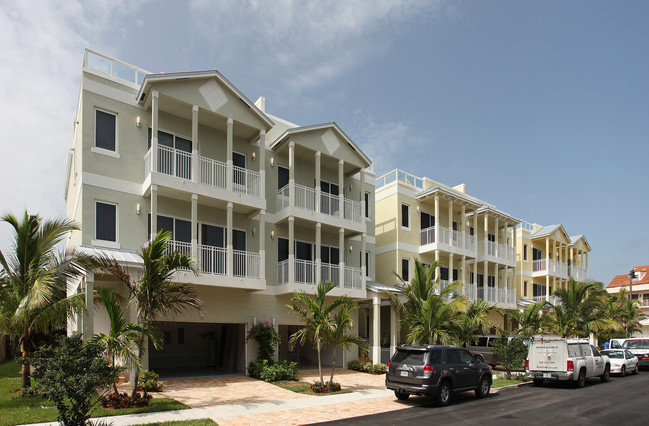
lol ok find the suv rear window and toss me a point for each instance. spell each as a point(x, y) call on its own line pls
point(409, 357)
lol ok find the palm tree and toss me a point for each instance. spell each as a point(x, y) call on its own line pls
point(339, 336)
point(475, 321)
point(316, 316)
point(626, 312)
point(154, 293)
point(582, 305)
point(429, 314)
point(531, 321)
point(33, 281)
point(123, 337)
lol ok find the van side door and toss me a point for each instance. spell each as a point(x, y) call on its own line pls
point(587, 356)
point(599, 361)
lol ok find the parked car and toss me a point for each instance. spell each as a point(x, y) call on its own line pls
point(561, 359)
point(640, 348)
point(622, 361)
point(483, 349)
point(436, 370)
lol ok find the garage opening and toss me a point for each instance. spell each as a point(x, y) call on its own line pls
point(305, 355)
point(199, 350)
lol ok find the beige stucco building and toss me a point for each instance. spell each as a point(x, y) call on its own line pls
point(265, 206)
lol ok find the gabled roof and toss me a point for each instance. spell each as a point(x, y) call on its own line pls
point(286, 136)
point(623, 280)
point(150, 79)
point(547, 230)
point(497, 212)
point(576, 238)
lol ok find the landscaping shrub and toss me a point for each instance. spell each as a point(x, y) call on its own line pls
point(354, 365)
point(266, 337)
point(379, 368)
point(320, 387)
point(512, 354)
point(367, 367)
point(124, 400)
point(272, 372)
point(150, 381)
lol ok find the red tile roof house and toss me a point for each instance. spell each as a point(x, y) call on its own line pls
point(640, 291)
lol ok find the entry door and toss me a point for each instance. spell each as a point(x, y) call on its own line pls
point(239, 160)
point(212, 252)
point(240, 257)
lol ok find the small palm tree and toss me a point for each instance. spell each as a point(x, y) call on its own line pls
point(533, 320)
point(155, 293)
point(626, 312)
point(316, 316)
point(429, 314)
point(475, 321)
point(339, 335)
point(33, 279)
point(123, 338)
point(582, 304)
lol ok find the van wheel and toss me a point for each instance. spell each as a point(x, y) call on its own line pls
point(443, 394)
point(607, 374)
point(623, 372)
point(483, 387)
point(401, 394)
point(538, 382)
point(581, 379)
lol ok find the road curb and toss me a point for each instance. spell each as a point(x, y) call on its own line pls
point(517, 385)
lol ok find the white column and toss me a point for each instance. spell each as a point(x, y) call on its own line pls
point(262, 163)
point(89, 316)
point(486, 235)
point(318, 252)
point(194, 231)
point(438, 269)
point(229, 246)
point(362, 195)
point(437, 222)
point(463, 276)
point(364, 265)
point(486, 281)
point(291, 174)
point(154, 211)
point(462, 228)
point(547, 287)
point(450, 267)
point(497, 232)
point(394, 329)
point(229, 148)
point(341, 250)
point(547, 255)
point(376, 329)
point(291, 249)
point(262, 244)
point(155, 101)
point(341, 186)
point(317, 181)
point(450, 221)
point(195, 167)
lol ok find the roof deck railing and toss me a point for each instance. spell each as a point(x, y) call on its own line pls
point(401, 176)
point(113, 67)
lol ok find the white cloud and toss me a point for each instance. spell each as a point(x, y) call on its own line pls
point(306, 42)
point(42, 45)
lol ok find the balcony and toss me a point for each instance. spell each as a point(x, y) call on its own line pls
point(501, 296)
point(497, 253)
point(551, 267)
point(540, 298)
point(174, 168)
point(213, 266)
point(304, 277)
point(323, 208)
point(577, 273)
point(449, 240)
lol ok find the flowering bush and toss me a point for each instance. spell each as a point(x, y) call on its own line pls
point(124, 400)
point(266, 337)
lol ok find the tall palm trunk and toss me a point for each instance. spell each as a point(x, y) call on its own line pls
point(320, 364)
point(25, 349)
point(136, 376)
point(333, 367)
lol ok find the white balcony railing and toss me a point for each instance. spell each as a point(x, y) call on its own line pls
point(175, 162)
point(353, 278)
point(329, 204)
point(330, 272)
point(550, 267)
point(497, 295)
point(246, 264)
point(282, 272)
point(305, 271)
point(305, 198)
point(352, 210)
point(213, 259)
point(447, 236)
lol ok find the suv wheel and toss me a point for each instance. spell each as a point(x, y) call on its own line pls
point(401, 394)
point(483, 387)
point(443, 394)
point(581, 379)
point(607, 374)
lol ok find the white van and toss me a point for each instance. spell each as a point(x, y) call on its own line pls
point(557, 358)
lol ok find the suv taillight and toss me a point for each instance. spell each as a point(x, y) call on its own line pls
point(571, 365)
point(429, 368)
point(527, 364)
point(388, 364)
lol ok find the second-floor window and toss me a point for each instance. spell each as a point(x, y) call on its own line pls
point(330, 255)
point(282, 177)
point(405, 269)
point(367, 204)
point(524, 251)
point(427, 220)
point(537, 254)
point(491, 237)
point(405, 215)
point(105, 130)
point(106, 221)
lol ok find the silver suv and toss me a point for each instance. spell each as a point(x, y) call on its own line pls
point(436, 370)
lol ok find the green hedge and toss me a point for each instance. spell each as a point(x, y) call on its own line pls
point(367, 367)
point(274, 372)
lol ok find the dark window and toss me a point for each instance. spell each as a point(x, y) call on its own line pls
point(454, 225)
point(405, 266)
point(106, 222)
point(456, 274)
point(427, 220)
point(434, 357)
point(166, 224)
point(409, 357)
point(480, 280)
point(282, 249)
point(181, 336)
point(367, 204)
point(491, 281)
point(303, 251)
point(282, 177)
point(491, 237)
point(525, 289)
point(443, 273)
point(471, 231)
point(465, 356)
point(183, 231)
point(239, 160)
point(105, 130)
point(452, 357)
point(538, 290)
point(367, 263)
point(482, 341)
point(167, 337)
point(238, 240)
point(405, 219)
point(524, 251)
point(471, 278)
point(212, 236)
point(537, 254)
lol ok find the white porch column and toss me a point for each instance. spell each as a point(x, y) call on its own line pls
point(485, 281)
point(547, 255)
point(438, 268)
point(547, 287)
point(437, 223)
point(230, 257)
point(463, 276)
point(291, 174)
point(486, 235)
point(154, 211)
point(450, 267)
point(318, 252)
point(497, 233)
point(450, 223)
point(89, 316)
point(475, 231)
point(515, 245)
point(364, 266)
point(262, 163)
point(376, 329)
point(262, 244)
point(155, 101)
point(462, 228)
point(195, 166)
point(394, 330)
point(475, 277)
point(194, 231)
point(341, 188)
point(362, 195)
point(229, 163)
point(317, 181)
point(291, 249)
point(342, 252)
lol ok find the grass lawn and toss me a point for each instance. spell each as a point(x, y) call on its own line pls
point(16, 410)
point(499, 383)
point(197, 422)
point(305, 388)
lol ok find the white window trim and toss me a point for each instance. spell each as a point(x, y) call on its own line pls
point(105, 243)
point(105, 151)
point(405, 228)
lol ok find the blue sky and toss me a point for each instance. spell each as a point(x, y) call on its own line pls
point(539, 107)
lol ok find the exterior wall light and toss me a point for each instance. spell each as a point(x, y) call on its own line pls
point(137, 121)
point(254, 155)
point(272, 235)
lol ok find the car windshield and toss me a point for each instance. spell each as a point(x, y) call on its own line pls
point(637, 344)
point(614, 354)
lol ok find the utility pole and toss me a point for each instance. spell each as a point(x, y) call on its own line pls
point(631, 277)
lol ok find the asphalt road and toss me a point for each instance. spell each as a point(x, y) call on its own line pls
point(623, 400)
